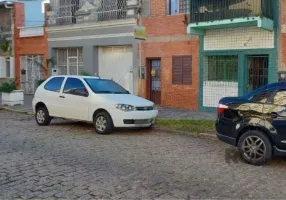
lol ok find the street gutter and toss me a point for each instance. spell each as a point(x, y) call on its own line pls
point(15, 110)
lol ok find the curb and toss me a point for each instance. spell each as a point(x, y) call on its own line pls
point(209, 136)
point(18, 111)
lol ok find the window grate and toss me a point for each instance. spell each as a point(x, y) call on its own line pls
point(177, 7)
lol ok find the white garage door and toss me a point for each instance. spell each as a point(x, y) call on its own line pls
point(115, 62)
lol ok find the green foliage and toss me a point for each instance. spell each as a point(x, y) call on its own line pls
point(8, 87)
point(188, 125)
point(51, 61)
point(83, 73)
point(4, 45)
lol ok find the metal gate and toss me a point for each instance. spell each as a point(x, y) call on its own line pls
point(32, 70)
point(155, 94)
point(257, 71)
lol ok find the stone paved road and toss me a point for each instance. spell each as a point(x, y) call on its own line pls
point(68, 160)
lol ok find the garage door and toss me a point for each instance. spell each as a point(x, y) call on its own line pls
point(115, 62)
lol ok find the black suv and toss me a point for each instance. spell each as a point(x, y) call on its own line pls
point(255, 123)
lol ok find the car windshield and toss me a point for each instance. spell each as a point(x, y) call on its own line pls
point(255, 91)
point(270, 87)
point(104, 86)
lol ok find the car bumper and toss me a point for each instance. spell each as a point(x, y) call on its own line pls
point(133, 119)
point(226, 139)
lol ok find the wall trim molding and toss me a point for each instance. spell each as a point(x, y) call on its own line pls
point(173, 38)
point(91, 25)
point(92, 37)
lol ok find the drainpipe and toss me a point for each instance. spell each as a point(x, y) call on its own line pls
point(10, 5)
point(140, 50)
point(140, 57)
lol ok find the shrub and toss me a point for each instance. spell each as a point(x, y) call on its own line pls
point(83, 73)
point(8, 87)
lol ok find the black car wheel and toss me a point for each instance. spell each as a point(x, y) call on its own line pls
point(42, 116)
point(103, 123)
point(255, 148)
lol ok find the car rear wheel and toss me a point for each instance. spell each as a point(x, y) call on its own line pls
point(103, 123)
point(255, 148)
point(43, 117)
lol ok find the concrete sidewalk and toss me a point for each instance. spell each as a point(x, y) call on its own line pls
point(164, 113)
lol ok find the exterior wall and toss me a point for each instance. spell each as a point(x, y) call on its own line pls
point(90, 37)
point(238, 38)
point(166, 38)
point(27, 45)
point(235, 39)
point(282, 36)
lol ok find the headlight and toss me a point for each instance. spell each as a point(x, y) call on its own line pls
point(125, 107)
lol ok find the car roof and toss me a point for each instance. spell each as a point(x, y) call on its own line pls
point(75, 76)
point(277, 84)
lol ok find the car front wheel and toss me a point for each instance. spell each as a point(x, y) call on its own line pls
point(255, 148)
point(103, 123)
point(42, 116)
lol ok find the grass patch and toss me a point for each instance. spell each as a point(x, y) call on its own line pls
point(193, 126)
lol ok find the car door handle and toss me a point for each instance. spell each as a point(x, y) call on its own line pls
point(62, 97)
point(274, 115)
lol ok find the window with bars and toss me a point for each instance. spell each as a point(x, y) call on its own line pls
point(70, 61)
point(177, 6)
point(182, 70)
point(65, 11)
point(222, 68)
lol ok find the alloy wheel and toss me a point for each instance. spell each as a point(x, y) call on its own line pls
point(253, 148)
point(41, 116)
point(101, 123)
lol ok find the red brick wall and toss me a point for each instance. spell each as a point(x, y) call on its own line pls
point(158, 24)
point(27, 46)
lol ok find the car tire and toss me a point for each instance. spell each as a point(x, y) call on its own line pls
point(255, 148)
point(43, 117)
point(103, 123)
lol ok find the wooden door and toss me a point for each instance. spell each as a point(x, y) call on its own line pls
point(155, 81)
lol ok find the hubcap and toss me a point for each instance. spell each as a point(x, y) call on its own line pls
point(101, 123)
point(253, 148)
point(40, 116)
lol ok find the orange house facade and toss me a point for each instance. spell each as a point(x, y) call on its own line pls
point(170, 56)
point(30, 52)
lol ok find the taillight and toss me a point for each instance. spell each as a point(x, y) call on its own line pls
point(221, 108)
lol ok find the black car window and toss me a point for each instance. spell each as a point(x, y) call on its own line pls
point(54, 84)
point(261, 97)
point(280, 98)
point(75, 86)
point(104, 86)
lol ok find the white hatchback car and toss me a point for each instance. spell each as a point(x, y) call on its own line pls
point(91, 99)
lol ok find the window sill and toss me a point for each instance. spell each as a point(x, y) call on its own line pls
point(171, 15)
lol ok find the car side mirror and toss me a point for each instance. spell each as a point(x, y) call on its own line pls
point(81, 92)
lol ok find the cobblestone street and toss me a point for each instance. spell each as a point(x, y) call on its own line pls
point(68, 160)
